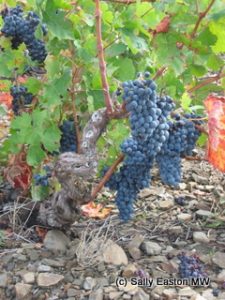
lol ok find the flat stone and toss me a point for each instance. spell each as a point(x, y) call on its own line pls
point(208, 294)
point(176, 229)
point(200, 237)
point(54, 262)
point(89, 283)
point(141, 295)
point(115, 295)
point(96, 295)
point(29, 277)
point(170, 294)
point(186, 292)
point(22, 290)
point(48, 279)
point(135, 253)
point(129, 271)
point(221, 276)
point(56, 240)
point(198, 297)
point(184, 217)
point(151, 248)
point(44, 268)
point(114, 254)
point(129, 288)
point(71, 292)
point(3, 280)
point(166, 204)
point(219, 259)
point(136, 241)
point(204, 213)
point(182, 186)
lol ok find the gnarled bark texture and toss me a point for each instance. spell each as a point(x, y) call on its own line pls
point(75, 173)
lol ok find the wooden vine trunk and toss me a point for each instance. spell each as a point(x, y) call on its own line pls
point(75, 173)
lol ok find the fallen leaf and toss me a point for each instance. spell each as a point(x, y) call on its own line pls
point(6, 99)
point(93, 210)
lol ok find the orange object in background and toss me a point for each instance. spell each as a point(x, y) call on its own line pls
point(6, 99)
point(215, 107)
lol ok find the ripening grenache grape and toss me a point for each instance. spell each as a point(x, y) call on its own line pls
point(68, 138)
point(21, 29)
point(21, 98)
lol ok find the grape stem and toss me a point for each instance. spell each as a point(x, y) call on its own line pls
point(159, 73)
point(200, 17)
point(106, 177)
point(102, 64)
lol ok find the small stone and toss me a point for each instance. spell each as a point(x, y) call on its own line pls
point(182, 186)
point(176, 230)
point(204, 213)
point(22, 290)
point(129, 288)
point(53, 262)
point(115, 295)
point(56, 240)
point(48, 279)
point(71, 292)
point(135, 253)
point(34, 256)
point(136, 241)
point(221, 276)
point(44, 268)
point(89, 283)
point(101, 267)
point(3, 280)
point(129, 271)
point(166, 204)
point(21, 257)
point(104, 281)
point(198, 297)
point(184, 217)
point(186, 292)
point(200, 179)
point(219, 259)
point(170, 294)
point(96, 295)
point(200, 237)
point(141, 295)
point(209, 188)
point(114, 254)
point(208, 294)
point(29, 277)
point(151, 248)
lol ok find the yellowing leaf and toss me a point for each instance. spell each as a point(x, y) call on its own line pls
point(93, 210)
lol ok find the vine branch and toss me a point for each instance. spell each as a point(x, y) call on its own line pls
point(106, 177)
point(128, 1)
point(206, 82)
point(200, 17)
point(102, 64)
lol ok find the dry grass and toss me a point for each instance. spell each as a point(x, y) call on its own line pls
point(92, 244)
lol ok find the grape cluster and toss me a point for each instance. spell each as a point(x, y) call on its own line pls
point(42, 180)
point(21, 29)
point(182, 139)
point(68, 138)
point(190, 267)
point(149, 130)
point(21, 98)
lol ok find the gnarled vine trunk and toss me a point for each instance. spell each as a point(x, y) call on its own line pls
point(75, 173)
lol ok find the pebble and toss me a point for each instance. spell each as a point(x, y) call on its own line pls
point(56, 240)
point(141, 295)
point(3, 280)
point(114, 254)
point(96, 295)
point(204, 213)
point(54, 262)
point(219, 259)
point(22, 290)
point(48, 279)
point(129, 271)
point(44, 268)
point(115, 295)
point(170, 294)
point(71, 292)
point(184, 217)
point(166, 204)
point(151, 248)
point(200, 237)
point(221, 276)
point(28, 277)
point(89, 283)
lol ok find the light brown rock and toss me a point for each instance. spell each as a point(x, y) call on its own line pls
point(184, 217)
point(22, 290)
point(29, 277)
point(114, 254)
point(48, 279)
point(166, 204)
point(219, 259)
point(200, 237)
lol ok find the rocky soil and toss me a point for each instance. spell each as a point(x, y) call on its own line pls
point(105, 259)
